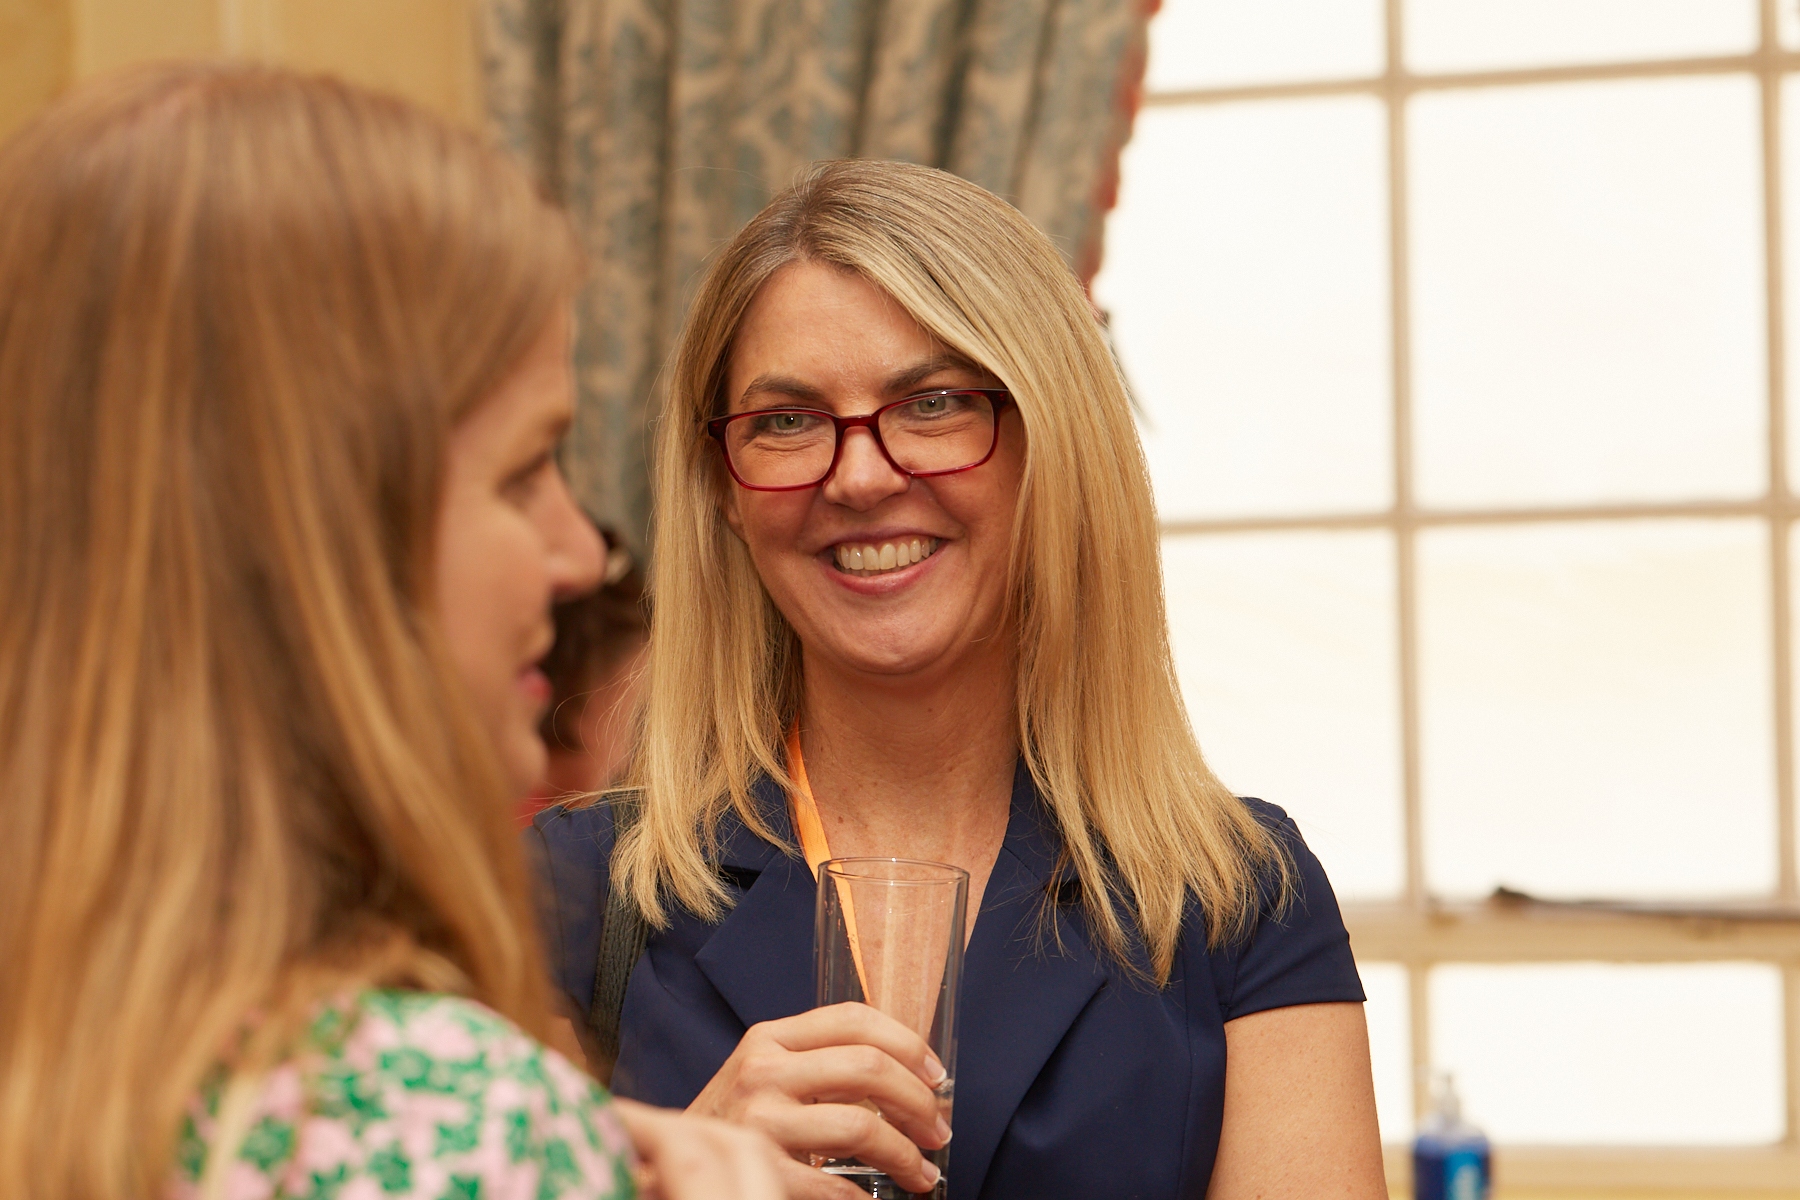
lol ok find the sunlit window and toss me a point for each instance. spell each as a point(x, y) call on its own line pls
point(1459, 337)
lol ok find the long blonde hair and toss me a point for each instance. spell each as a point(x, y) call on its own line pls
point(1146, 825)
point(240, 310)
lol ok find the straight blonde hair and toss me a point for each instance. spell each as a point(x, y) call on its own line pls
point(240, 311)
point(1147, 827)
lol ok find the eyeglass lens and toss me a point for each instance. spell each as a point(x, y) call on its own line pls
point(945, 431)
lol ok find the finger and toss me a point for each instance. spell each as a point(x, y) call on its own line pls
point(758, 1164)
point(695, 1158)
point(752, 1161)
point(809, 1183)
point(684, 1160)
point(853, 1075)
point(847, 1024)
point(848, 1131)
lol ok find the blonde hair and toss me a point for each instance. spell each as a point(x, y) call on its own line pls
point(240, 310)
point(1102, 727)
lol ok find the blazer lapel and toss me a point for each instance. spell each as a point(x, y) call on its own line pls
point(760, 957)
point(1021, 991)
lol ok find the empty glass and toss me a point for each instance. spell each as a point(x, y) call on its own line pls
point(890, 935)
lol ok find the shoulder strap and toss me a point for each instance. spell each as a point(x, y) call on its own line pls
point(623, 934)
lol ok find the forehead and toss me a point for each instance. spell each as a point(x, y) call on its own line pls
point(827, 322)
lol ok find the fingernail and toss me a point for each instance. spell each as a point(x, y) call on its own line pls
point(931, 1174)
point(943, 1132)
point(935, 1069)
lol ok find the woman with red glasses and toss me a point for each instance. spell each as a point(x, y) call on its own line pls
point(909, 605)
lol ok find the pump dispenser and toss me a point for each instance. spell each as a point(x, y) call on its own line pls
point(1450, 1156)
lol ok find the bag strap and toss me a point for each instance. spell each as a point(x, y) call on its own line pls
point(623, 935)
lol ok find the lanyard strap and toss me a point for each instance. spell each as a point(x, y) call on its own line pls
point(803, 808)
point(811, 831)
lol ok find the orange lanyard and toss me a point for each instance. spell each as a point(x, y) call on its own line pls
point(811, 831)
point(803, 808)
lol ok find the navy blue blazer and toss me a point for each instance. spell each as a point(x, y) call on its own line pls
point(1073, 1079)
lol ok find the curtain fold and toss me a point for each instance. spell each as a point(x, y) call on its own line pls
point(663, 125)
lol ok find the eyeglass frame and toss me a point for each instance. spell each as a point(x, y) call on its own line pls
point(998, 397)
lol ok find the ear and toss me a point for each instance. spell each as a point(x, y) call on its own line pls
point(728, 503)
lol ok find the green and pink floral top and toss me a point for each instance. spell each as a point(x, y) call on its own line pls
point(409, 1094)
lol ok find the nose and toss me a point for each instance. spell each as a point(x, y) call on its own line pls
point(864, 477)
point(577, 556)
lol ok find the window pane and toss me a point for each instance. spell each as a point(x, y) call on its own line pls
point(1246, 273)
point(1285, 648)
point(1389, 1012)
point(1631, 1055)
point(1464, 35)
point(1588, 293)
point(1596, 708)
point(1214, 43)
point(1790, 216)
point(1787, 24)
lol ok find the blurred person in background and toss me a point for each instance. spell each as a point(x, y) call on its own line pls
point(283, 366)
point(595, 669)
point(909, 604)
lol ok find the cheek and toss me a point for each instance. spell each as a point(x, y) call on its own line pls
point(461, 603)
point(487, 590)
point(769, 522)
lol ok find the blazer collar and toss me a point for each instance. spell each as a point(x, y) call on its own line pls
point(760, 957)
point(742, 849)
point(1021, 989)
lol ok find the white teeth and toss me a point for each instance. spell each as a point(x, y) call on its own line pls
point(869, 560)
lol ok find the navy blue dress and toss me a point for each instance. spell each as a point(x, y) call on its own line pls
point(1073, 1079)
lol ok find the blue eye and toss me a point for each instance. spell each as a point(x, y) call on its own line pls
point(781, 424)
point(940, 405)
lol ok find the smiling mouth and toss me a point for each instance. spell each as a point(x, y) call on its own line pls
point(888, 556)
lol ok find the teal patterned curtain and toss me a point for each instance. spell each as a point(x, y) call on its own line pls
point(664, 125)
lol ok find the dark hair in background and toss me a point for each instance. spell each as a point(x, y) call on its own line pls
point(595, 635)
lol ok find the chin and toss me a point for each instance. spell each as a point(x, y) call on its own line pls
point(526, 763)
point(913, 661)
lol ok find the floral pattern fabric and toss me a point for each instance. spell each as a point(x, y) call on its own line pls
point(664, 125)
point(410, 1095)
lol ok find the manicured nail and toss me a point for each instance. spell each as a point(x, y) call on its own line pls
point(943, 1132)
point(935, 1069)
point(931, 1174)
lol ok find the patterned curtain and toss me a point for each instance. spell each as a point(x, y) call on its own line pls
point(664, 125)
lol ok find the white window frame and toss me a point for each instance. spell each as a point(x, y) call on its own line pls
point(1419, 931)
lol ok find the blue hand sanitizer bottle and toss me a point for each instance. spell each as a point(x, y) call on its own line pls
point(1450, 1156)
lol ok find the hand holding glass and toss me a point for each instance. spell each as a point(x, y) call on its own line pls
point(890, 934)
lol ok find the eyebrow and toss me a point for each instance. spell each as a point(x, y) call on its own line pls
point(897, 384)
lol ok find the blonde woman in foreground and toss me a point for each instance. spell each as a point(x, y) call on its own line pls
point(282, 366)
point(908, 583)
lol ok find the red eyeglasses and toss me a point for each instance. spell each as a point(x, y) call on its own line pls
point(933, 433)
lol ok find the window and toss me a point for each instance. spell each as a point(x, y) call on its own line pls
point(1459, 334)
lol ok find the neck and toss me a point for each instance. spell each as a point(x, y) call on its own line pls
point(920, 768)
